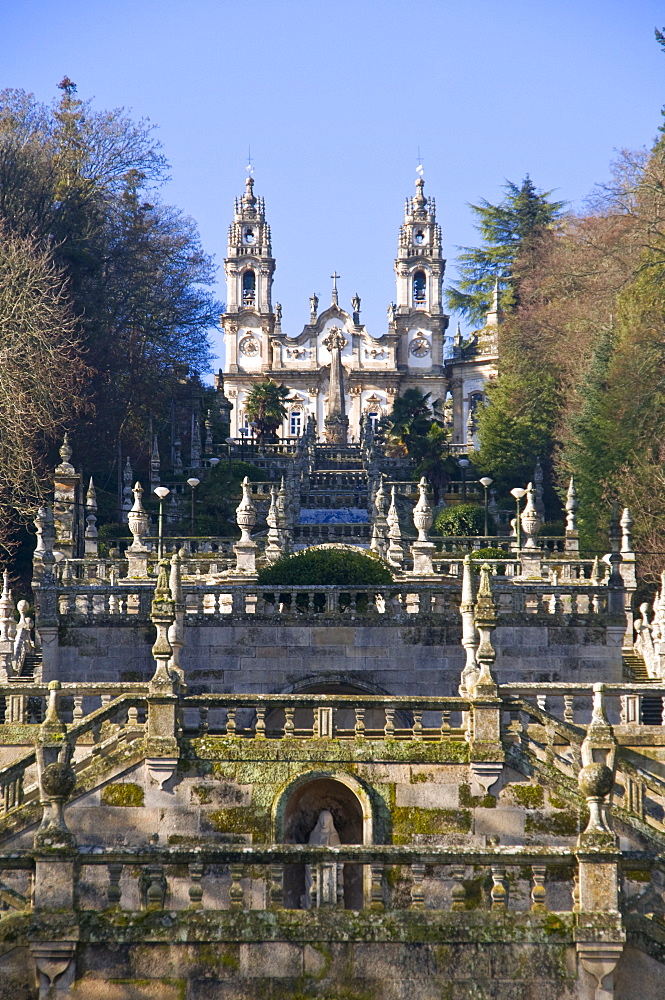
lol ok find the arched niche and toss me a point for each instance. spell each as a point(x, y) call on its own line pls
point(296, 812)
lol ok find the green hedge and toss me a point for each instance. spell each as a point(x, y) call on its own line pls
point(319, 567)
point(462, 520)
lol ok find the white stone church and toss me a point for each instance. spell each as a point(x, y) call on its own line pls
point(412, 352)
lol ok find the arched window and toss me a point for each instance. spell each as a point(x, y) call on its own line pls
point(419, 287)
point(373, 419)
point(248, 288)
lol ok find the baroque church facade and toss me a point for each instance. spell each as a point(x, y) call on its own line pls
point(412, 353)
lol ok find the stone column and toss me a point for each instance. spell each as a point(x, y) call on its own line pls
point(336, 421)
point(245, 549)
point(67, 484)
point(162, 749)
point(137, 553)
point(486, 754)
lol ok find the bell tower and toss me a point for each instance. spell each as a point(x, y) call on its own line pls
point(249, 263)
point(419, 268)
point(249, 319)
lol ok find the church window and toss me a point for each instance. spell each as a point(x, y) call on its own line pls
point(419, 286)
point(296, 423)
point(419, 238)
point(373, 419)
point(248, 288)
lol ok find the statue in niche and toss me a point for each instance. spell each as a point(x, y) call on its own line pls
point(324, 834)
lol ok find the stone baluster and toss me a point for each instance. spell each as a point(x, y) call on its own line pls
point(458, 891)
point(204, 712)
point(114, 892)
point(445, 724)
point(289, 727)
point(499, 890)
point(389, 726)
point(359, 729)
point(417, 727)
point(568, 702)
point(236, 893)
point(77, 714)
point(377, 902)
point(417, 887)
point(156, 887)
point(538, 891)
point(260, 724)
point(276, 886)
point(195, 890)
point(231, 721)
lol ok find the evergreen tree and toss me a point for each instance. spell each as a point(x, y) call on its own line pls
point(509, 230)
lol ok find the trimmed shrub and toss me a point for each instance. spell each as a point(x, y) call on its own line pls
point(480, 555)
point(319, 567)
point(462, 520)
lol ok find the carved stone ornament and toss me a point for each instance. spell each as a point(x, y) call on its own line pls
point(419, 347)
point(249, 346)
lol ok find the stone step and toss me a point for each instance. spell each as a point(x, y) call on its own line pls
point(634, 667)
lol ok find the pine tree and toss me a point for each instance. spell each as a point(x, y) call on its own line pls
point(508, 230)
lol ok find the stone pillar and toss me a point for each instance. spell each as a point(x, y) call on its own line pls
point(598, 856)
point(531, 557)
point(395, 553)
point(7, 630)
point(162, 749)
point(486, 754)
point(572, 540)
point(45, 589)
point(91, 534)
point(469, 638)
point(273, 549)
point(379, 523)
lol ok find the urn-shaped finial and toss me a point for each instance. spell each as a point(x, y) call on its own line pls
point(422, 512)
point(531, 520)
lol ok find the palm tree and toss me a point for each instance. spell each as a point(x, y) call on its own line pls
point(265, 407)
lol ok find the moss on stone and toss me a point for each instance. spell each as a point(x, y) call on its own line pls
point(529, 796)
point(557, 802)
point(201, 793)
point(242, 820)
point(410, 821)
point(469, 801)
point(123, 793)
point(562, 824)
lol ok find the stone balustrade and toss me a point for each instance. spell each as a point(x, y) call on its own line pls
point(368, 717)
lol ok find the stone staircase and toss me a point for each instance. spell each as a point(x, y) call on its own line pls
point(634, 669)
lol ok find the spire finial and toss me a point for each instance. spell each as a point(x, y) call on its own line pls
point(335, 298)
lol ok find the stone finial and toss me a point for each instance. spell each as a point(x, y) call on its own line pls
point(422, 512)
point(596, 779)
point(530, 519)
point(177, 455)
point(571, 507)
point(54, 752)
point(246, 512)
point(615, 580)
point(595, 571)
point(137, 519)
point(162, 616)
point(127, 480)
point(208, 434)
point(485, 621)
point(538, 479)
point(273, 548)
point(626, 531)
point(91, 533)
point(155, 464)
point(65, 468)
point(176, 631)
point(7, 624)
point(395, 552)
point(283, 515)
point(379, 522)
point(195, 443)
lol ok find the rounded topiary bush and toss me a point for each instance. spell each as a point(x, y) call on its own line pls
point(462, 520)
point(321, 567)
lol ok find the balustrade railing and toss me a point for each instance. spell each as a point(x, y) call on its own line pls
point(368, 717)
point(18, 780)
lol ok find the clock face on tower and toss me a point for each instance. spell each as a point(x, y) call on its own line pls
point(249, 236)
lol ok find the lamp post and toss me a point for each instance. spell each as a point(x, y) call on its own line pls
point(518, 494)
point(463, 464)
point(193, 483)
point(244, 431)
point(229, 442)
point(162, 493)
point(486, 482)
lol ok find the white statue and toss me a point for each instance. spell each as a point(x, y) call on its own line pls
point(324, 834)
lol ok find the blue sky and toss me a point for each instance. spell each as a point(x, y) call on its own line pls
point(335, 99)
